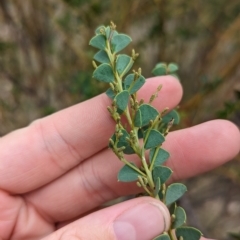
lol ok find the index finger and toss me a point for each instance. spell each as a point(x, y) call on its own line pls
point(35, 155)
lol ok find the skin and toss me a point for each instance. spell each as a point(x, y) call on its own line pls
point(55, 173)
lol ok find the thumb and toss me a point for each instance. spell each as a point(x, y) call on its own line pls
point(137, 219)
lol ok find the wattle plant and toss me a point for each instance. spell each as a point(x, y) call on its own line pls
point(140, 128)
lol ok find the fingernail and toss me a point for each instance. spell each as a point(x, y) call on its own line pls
point(142, 222)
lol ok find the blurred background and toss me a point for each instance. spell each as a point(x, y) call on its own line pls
point(45, 66)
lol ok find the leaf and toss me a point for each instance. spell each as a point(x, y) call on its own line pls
point(160, 69)
point(122, 100)
point(99, 41)
point(97, 31)
point(180, 217)
point(110, 33)
point(144, 115)
point(152, 138)
point(171, 115)
point(128, 150)
point(110, 93)
point(122, 140)
point(172, 67)
point(160, 154)
point(101, 56)
point(164, 236)
point(104, 73)
point(157, 186)
point(162, 172)
point(123, 64)
point(174, 192)
point(119, 42)
point(188, 233)
point(172, 208)
point(127, 174)
point(131, 85)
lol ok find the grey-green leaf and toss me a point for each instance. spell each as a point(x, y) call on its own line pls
point(127, 174)
point(110, 33)
point(97, 31)
point(171, 115)
point(160, 69)
point(104, 73)
point(110, 93)
point(128, 150)
point(188, 233)
point(180, 217)
point(172, 208)
point(159, 156)
point(152, 138)
point(172, 67)
point(98, 41)
point(123, 64)
point(144, 115)
point(122, 100)
point(157, 183)
point(122, 140)
point(133, 85)
point(174, 192)
point(119, 42)
point(162, 172)
point(101, 56)
point(164, 236)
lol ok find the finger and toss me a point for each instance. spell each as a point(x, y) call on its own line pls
point(137, 219)
point(33, 156)
point(193, 151)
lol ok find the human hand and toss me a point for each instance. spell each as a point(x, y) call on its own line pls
point(57, 171)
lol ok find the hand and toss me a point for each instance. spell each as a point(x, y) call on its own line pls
point(57, 171)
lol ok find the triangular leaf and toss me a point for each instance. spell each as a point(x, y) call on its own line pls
point(180, 217)
point(144, 115)
point(188, 233)
point(122, 140)
point(119, 42)
point(127, 174)
point(171, 115)
point(131, 85)
point(159, 156)
point(160, 69)
point(172, 67)
point(157, 183)
point(110, 93)
point(153, 138)
point(107, 31)
point(164, 236)
point(174, 192)
point(101, 56)
point(104, 73)
point(110, 33)
point(128, 150)
point(98, 30)
point(99, 41)
point(162, 172)
point(172, 208)
point(123, 64)
point(122, 100)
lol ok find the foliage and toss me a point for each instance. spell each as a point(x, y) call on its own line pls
point(151, 175)
point(45, 62)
